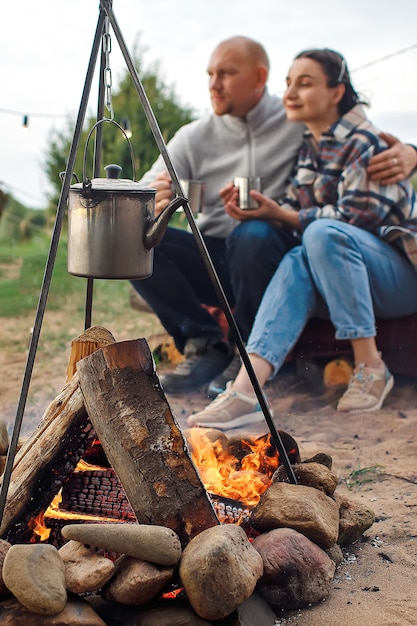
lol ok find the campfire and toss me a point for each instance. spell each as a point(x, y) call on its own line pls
point(109, 475)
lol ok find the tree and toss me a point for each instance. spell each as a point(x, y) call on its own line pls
point(170, 115)
point(18, 223)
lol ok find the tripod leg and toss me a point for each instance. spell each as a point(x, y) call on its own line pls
point(50, 266)
point(106, 4)
point(98, 144)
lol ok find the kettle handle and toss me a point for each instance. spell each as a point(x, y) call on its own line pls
point(87, 181)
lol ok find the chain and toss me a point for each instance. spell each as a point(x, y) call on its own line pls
point(107, 71)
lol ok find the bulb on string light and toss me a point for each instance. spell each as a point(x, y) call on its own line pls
point(127, 127)
point(25, 123)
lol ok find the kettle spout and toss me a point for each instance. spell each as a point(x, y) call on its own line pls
point(156, 228)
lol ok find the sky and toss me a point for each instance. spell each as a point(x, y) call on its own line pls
point(45, 48)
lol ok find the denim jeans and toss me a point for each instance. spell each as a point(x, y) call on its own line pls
point(180, 283)
point(339, 271)
point(254, 250)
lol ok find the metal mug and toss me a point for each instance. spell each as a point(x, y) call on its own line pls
point(194, 191)
point(245, 184)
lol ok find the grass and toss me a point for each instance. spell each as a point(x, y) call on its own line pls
point(364, 475)
point(22, 267)
point(19, 293)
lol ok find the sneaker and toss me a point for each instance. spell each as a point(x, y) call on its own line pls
point(201, 364)
point(367, 389)
point(218, 385)
point(229, 410)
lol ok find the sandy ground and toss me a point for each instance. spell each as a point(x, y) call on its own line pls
point(374, 457)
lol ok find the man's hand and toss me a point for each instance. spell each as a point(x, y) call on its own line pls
point(164, 191)
point(394, 164)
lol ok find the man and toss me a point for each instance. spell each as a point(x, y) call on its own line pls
point(247, 134)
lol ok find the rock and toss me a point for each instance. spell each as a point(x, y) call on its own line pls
point(335, 553)
point(155, 544)
point(301, 508)
point(136, 582)
point(35, 574)
point(296, 571)
point(77, 612)
point(355, 518)
point(219, 569)
point(321, 457)
point(84, 570)
point(178, 613)
point(311, 475)
point(172, 616)
point(4, 548)
point(256, 611)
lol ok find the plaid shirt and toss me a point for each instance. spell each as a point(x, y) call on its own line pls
point(331, 182)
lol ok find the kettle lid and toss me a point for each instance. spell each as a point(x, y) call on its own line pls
point(112, 183)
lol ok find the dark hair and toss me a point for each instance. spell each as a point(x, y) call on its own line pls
point(336, 70)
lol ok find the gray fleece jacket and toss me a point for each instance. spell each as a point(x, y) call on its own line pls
point(215, 149)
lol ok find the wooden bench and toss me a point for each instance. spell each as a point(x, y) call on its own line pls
point(396, 339)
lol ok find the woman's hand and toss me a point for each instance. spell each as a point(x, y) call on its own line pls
point(230, 197)
point(268, 209)
point(393, 164)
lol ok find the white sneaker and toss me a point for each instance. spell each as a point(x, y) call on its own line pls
point(229, 410)
point(367, 390)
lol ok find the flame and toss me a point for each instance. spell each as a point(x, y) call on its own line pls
point(37, 525)
point(242, 479)
point(224, 474)
point(83, 466)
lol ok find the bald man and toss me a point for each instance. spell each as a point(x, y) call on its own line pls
point(247, 134)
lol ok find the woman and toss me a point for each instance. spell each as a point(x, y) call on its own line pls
point(344, 262)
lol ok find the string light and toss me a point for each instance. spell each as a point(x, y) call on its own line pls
point(385, 58)
point(126, 123)
point(25, 113)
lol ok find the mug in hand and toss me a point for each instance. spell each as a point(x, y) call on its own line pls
point(194, 191)
point(245, 184)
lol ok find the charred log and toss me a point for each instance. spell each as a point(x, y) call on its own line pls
point(142, 440)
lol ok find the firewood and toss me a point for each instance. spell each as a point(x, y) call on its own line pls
point(142, 440)
point(88, 342)
point(63, 432)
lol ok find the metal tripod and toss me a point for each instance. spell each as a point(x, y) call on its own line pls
point(106, 15)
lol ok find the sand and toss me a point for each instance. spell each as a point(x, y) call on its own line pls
point(374, 457)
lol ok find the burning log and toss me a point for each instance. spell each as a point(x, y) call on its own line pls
point(141, 439)
point(46, 459)
point(51, 454)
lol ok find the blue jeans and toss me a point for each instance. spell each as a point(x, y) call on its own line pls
point(180, 283)
point(254, 250)
point(339, 271)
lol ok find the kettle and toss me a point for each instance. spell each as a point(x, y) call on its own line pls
point(112, 228)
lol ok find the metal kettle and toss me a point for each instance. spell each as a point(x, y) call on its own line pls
point(112, 228)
